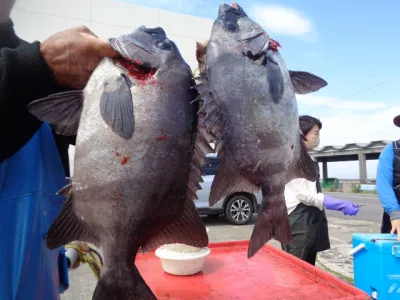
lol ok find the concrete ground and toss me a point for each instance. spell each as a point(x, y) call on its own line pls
point(336, 260)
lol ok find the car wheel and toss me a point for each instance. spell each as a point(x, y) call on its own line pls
point(239, 210)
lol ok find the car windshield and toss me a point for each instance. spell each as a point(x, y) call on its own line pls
point(211, 167)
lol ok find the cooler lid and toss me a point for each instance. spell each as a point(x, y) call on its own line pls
point(383, 242)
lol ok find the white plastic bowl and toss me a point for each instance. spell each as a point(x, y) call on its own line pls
point(181, 259)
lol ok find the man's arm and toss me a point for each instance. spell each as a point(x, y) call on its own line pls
point(305, 192)
point(384, 183)
point(36, 70)
point(24, 77)
point(384, 186)
point(7, 35)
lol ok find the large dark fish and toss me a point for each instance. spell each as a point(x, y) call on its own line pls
point(137, 159)
point(251, 110)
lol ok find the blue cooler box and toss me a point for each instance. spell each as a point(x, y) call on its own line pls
point(377, 265)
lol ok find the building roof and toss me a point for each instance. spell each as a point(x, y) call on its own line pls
point(352, 147)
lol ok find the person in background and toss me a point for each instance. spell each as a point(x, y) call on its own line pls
point(305, 203)
point(33, 160)
point(388, 185)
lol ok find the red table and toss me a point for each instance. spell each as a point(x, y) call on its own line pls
point(229, 274)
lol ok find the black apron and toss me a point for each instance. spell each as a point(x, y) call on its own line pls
point(309, 227)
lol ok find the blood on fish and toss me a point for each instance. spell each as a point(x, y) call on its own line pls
point(125, 159)
point(273, 45)
point(162, 137)
point(137, 71)
point(292, 147)
point(122, 159)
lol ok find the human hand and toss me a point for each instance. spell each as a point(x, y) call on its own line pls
point(396, 227)
point(350, 209)
point(73, 54)
point(347, 207)
point(5, 10)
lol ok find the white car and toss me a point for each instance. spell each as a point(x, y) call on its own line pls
point(238, 208)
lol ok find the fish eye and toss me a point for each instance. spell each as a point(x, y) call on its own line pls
point(231, 26)
point(164, 46)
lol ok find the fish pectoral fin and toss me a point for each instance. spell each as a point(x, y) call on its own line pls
point(67, 227)
point(272, 222)
point(228, 180)
point(116, 106)
point(275, 82)
point(62, 110)
point(304, 167)
point(305, 83)
point(187, 229)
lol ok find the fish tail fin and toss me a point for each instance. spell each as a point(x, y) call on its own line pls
point(272, 222)
point(131, 286)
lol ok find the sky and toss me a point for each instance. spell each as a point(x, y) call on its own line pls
point(353, 45)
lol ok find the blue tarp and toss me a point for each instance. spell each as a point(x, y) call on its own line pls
point(29, 181)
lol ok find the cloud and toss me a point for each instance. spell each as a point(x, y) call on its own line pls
point(346, 121)
point(183, 6)
point(331, 102)
point(281, 20)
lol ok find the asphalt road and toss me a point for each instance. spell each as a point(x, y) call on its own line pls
point(370, 211)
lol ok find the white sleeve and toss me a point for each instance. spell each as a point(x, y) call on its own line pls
point(306, 192)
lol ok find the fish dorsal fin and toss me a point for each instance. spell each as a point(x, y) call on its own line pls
point(62, 110)
point(116, 106)
point(201, 145)
point(304, 167)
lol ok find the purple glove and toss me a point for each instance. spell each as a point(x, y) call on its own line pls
point(347, 207)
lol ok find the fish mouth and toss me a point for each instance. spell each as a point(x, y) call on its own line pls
point(268, 45)
point(136, 68)
point(253, 37)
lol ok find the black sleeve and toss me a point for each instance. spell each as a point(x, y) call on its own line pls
point(24, 77)
point(7, 35)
